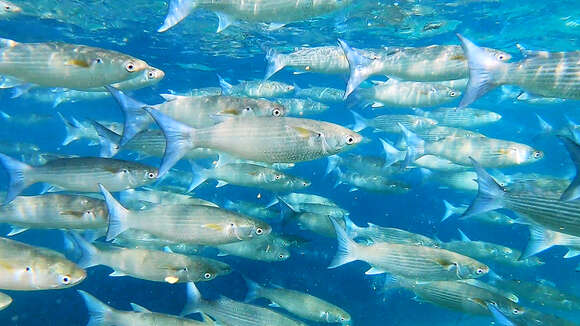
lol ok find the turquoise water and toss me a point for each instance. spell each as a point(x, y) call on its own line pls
point(191, 54)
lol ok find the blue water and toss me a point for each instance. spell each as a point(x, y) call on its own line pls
point(238, 54)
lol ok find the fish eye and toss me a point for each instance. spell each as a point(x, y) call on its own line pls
point(151, 74)
point(537, 154)
point(98, 60)
point(207, 275)
point(277, 177)
point(65, 279)
point(28, 269)
point(350, 139)
point(151, 175)
point(125, 171)
point(452, 93)
point(130, 66)
point(501, 57)
point(281, 256)
point(259, 231)
point(276, 112)
point(479, 271)
point(516, 311)
point(247, 109)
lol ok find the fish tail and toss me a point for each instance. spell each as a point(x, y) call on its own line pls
point(89, 254)
point(360, 122)
point(346, 251)
point(73, 129)
point(392, 155)
point(449, 210)
point(108, 140)
point(298, 91)
point(136, 120)
point(463, 236)
point(489, 196)
point(99, 313)
point(253, 288)
point(573, 190)
point(352, 230)
point(225, 86)
point(540, 239)
point(358, 65)
point(194, 300)
point(275, 63)
point(415, 145)
point(179, 139)
point(17, 175)
point(199, 176)
point(333, 161)
point(178, 10)
point(118, 222)
point(483, 70)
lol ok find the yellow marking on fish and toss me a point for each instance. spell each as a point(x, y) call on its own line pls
point(459, 57)
point(171, 279)
point(214, 226)
point(307, 68)
point(78, 63)
point(254, 173)
point(303, 132)
point(78, 214)
point(445, 263)
point(230, 111)
point(478, 301)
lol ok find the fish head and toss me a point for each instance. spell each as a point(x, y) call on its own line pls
point(338, 139)
point(336, 315)
point(499, 55)
point(212, 270)
point(250, 228)
point(508, 308)
point(151, 76)
point(136, 175)
point(523, 154)
point(421, 122)
point(277, 253)
point(61, 274)
point(287, 181)
point(472, 269)
point(8, 8)
point(266, 108)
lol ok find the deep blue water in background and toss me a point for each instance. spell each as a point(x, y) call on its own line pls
point(501, 24)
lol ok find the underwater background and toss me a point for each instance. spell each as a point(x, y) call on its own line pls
point(192, 53)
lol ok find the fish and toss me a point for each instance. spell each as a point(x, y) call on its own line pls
point(197, 224)
point(543, 208)
point(5, 301)
point(101, 314)
point(491, 152)
point(65, 65)
point(248, 175)
point(365, 163)
point(301, 304)
point(460, 180)
point(81, 174)
point(302, 107)
point(491, 252)
point(146, 195)
point(85, 129)
point(256, 88)
point(268, 248)
point(389, 122)
point(422, 64)
point(54, 211)
point(469, 297)
point(401, 94)
point(320, 208)
point(286, 140)
point(28, 268)
point(518, 317)
point(464, 118)
point(279, 13)
point(407, 260)
point(322, 59)
point(196, 111)
point(230, 312)
point(371, 182)
point(540, 292)
point(548, 74)
point(145, 264)
point(143, 240)
point(377, 234)
point(435, 163)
